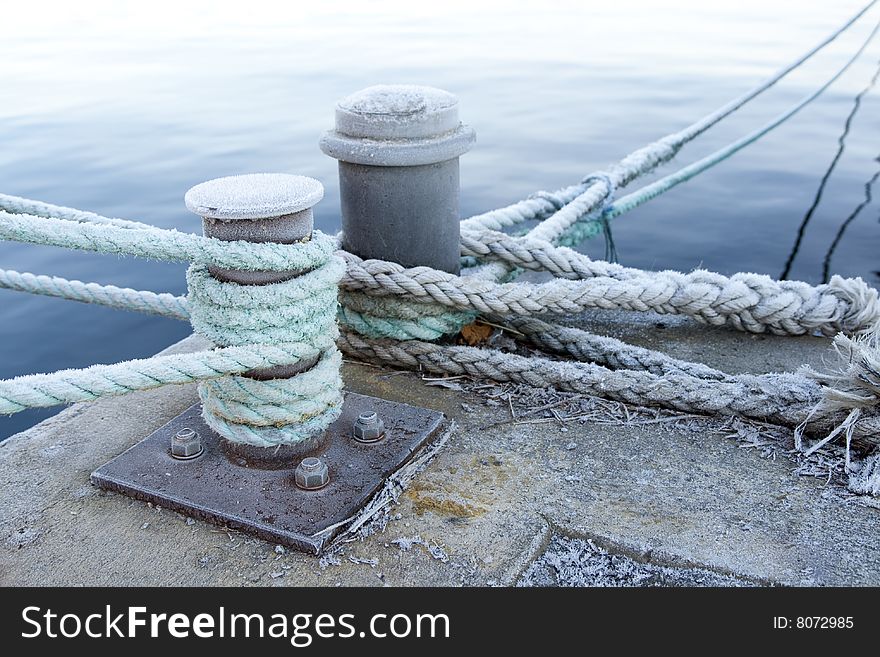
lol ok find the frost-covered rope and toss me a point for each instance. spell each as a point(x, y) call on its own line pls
point(122, 298)
point(749, 302)
point(385, 317)
point(163, 244)
point(783, 398)
point(68, 386)
point(655, 189)
point(609, 352)
point(539, 255)
point(299, 311)
point(281, 411)
point(298, 316)
point(541, 204)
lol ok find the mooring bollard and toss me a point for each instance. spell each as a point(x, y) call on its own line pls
point(280, 452)
point(398, 148)
point(259, 208)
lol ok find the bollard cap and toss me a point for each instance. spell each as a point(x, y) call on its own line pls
point(398, 125)
point(253, 196)
point(397, 111)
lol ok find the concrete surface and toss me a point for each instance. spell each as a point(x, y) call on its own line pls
point(578, 562)
point(651, 493)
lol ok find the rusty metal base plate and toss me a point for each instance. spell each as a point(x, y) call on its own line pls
point(264, 502)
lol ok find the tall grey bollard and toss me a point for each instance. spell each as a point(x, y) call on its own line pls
point(398, 148)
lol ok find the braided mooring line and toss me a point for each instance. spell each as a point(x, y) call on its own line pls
point(783, 398)
point(748, 302)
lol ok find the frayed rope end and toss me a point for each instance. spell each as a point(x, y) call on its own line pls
point(854, 388)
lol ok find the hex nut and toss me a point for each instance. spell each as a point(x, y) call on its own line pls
point(368, 428)
point(186, 444)
point(311, 474)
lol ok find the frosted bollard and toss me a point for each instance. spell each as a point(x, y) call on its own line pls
point(279, 452)
point(260, 207)
point(398, 148)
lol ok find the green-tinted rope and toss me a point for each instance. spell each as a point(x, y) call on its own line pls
point(655, 189)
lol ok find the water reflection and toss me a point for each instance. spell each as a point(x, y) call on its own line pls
point(841, 147)
point(826, 264)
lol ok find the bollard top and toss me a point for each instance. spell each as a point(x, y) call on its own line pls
point(397, 125)
point(253, 196)
point(397, 111)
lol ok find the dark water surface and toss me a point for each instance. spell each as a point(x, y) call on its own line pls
point(119, 108)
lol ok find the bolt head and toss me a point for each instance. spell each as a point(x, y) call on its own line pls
point(311, 474)
point(186, 444)
point(369, 427)
point(368, 417)
point(311, 464)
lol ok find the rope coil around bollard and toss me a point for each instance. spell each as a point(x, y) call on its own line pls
point(269, 413)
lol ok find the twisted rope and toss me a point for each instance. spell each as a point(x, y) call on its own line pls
point(382, 317)
point(784, 398)
point(296, 310)
point(161, 244)
point(609, 352)
point(88, 384)
point(748, 302)
point(539, 255)
point(19, 205)
point(283, 411)
point(123, 298)
point(277, 411)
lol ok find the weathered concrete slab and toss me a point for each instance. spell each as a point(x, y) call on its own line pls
point(488, 505)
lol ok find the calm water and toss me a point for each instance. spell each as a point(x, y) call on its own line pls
point(120, 109)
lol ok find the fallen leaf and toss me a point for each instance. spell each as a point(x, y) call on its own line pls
point(476, 333)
